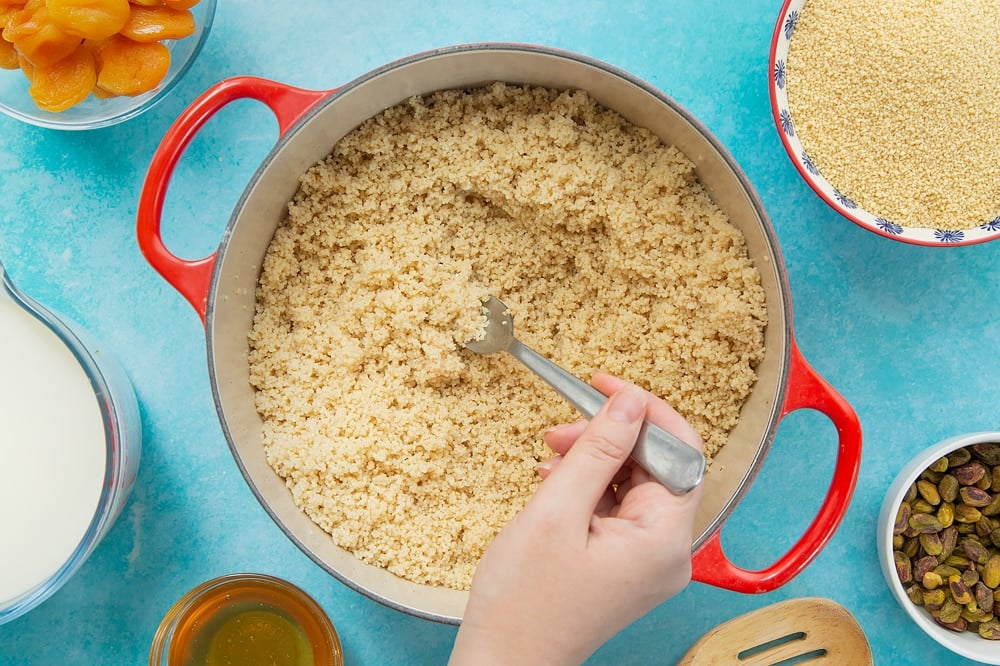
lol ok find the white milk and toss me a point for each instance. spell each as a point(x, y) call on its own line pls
point(52, 452)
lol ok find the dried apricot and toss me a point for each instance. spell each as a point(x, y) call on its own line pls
point(37, 38)
point(154, 24)
point(7, 13)
point(60, 45)
point(8, 55)
point(90, 19)
point(67, 82)
point(21, 12)
point(127, 67)
point(26, 67)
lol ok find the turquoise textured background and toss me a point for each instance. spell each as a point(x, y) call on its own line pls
point(907, 334)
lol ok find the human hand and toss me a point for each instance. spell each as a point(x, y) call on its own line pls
point(584, 558)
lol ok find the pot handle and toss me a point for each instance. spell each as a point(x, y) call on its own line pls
point(807, 390)
point(192, 277)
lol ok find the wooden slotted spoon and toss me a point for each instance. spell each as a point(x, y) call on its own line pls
point(807, 631)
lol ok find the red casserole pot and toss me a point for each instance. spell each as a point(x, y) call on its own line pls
point(221, 288)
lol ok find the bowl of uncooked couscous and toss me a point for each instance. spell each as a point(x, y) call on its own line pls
point(888, 112)
point(622, 236)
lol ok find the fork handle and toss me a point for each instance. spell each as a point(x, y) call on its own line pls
point(669, 460)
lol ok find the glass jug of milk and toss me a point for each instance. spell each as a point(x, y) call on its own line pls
point(70, 440)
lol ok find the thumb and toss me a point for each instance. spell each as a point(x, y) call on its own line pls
point(588, 468)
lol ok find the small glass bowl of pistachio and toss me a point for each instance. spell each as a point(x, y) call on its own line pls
point(939, 543)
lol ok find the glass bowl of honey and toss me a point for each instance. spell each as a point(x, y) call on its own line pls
point(246, 619)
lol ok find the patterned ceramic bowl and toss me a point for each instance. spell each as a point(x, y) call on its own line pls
point(784, 32)
point(93, 113)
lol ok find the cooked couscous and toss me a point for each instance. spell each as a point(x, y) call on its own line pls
point(895, 104)
point(413, 452)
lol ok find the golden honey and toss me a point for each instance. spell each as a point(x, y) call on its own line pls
point(245, 620)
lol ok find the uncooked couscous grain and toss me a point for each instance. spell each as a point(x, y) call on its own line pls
point(896, 105)
point(413, 452)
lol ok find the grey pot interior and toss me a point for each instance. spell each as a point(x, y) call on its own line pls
point(262, 208)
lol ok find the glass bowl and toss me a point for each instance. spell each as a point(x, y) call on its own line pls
point(93, 112)
point(965, 643)
point(830, 192)
point(246, 618)
point(71, 418)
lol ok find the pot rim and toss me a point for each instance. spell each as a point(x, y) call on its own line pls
point(338, 92)
point(791, 383)
point(715, 525)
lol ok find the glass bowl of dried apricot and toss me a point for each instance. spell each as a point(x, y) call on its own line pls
point(84, 64)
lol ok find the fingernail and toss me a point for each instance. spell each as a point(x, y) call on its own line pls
point(547, 466)
point(557, 428)
point(628, 405)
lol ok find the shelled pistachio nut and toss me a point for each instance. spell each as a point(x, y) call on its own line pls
point(946, 540)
